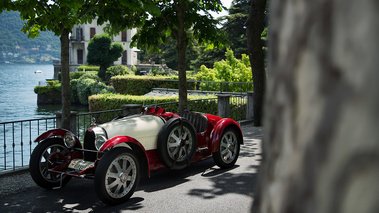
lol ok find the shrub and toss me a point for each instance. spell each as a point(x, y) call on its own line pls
point(155, 72)
point(84, 89)
point(76, 75)
point(74, 91)
point(140, 85)
point(229, 70)
point(116, 70)
point(51, 87)
point(134, 69)
point(87, 85)
point(91, 75)
point(88, 68)
point(102, 102)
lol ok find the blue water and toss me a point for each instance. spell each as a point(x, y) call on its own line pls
point(17, 98)
point(19, 102)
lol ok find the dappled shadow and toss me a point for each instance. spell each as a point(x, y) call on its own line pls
point(77, 196)
point(165, 179)
point(226, 183)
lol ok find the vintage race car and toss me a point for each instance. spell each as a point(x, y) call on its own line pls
point(118, 153)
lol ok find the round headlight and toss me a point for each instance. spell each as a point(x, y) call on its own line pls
point(100, 137)
point(99, 141)
point(69, 140)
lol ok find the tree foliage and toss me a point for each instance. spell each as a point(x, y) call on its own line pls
point(235, 26)
point(102, 52)
point(229, 70)
point(176, 20)
point(59, 16)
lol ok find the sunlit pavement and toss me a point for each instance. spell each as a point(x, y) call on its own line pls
point(202, 187)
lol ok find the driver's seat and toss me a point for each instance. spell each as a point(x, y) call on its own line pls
point(199, 120)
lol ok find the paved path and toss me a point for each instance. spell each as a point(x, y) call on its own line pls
point(202, 187)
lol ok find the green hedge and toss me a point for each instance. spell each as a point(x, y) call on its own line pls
point(103, 102)
point(140, 85)
point(77, 75)
point(52, 86)
point(88, 68)
point(116, 70)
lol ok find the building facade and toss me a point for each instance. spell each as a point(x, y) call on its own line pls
point(81, 35)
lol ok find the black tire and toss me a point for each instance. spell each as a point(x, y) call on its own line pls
point(117, 176)
point(229, 149)
point(175, 150)
point(48, 154)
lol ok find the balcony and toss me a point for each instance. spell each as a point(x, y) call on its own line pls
point(77, 39)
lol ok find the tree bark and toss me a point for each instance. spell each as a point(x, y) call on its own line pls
point(320, 148)
point(65, 71)
point(256, 56)
point(181, 47)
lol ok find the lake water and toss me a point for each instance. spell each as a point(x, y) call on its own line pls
point(17, 98)
point(19, 102)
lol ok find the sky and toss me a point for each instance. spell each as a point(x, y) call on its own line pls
point(226, 4)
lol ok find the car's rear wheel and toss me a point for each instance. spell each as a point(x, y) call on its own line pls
point(229, 149)
point(49, 154)
point(117, 176)
point(177, 143)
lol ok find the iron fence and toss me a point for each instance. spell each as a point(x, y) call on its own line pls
point(17, 137)
point(205, 86)
point(208, 105)
point(17, 140)
point(84, 120)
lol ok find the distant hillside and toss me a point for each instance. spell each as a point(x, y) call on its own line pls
point(16, 47)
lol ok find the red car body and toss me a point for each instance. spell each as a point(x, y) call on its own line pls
point(182, 140)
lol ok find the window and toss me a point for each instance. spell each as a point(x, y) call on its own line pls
point(92, 32)
point(124, 60)
point(80, 56)
point(123, 36)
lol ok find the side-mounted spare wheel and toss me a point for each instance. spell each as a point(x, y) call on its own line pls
point(117, 176)
point(177, 143)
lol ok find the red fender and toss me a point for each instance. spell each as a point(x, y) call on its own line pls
point(126, 139)
point(217, 131)
point(120, 139)
point(59, 133)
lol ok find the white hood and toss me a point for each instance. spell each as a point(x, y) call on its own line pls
point(144, 128)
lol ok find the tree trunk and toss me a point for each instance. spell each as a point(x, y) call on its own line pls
point(181, 47)
point(256, 56)
point(102, 72)
point(320, 148)
point(65, 71)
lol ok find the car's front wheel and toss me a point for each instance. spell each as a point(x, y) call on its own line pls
point(117, 176)
point(229, 149)
point(49, 154)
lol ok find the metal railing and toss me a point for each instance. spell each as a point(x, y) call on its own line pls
point(206, 86)
point(84, 120)
point(17, 137)
point(208, 105)
point(17, 140)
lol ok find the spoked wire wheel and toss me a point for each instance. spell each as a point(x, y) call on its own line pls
point(49, 154)
point(177, 143)
point(117, 176)
point(229, 149)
